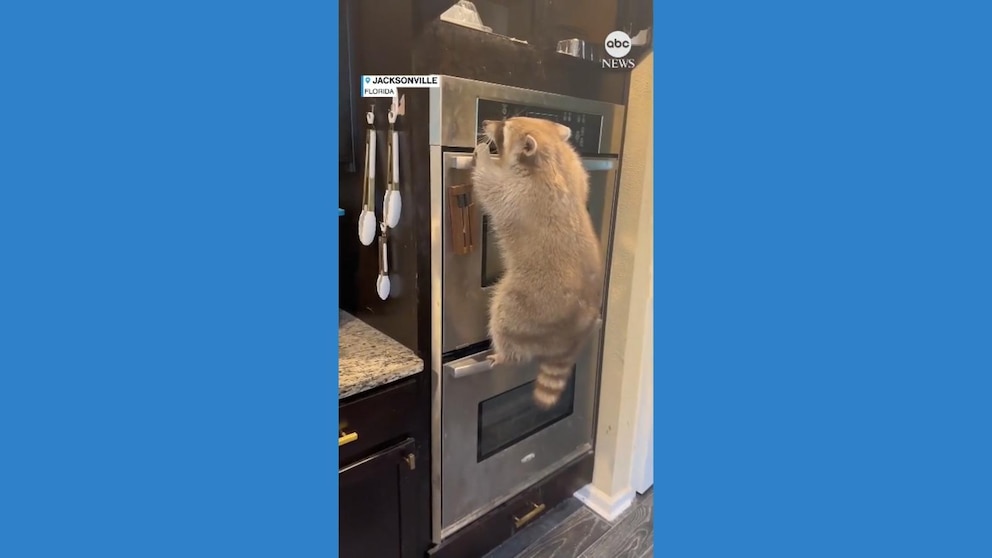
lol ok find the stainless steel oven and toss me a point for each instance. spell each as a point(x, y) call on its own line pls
point(489, 440)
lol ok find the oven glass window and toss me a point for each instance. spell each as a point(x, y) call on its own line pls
point(598, 208)
point(492, 265)
point(512, 416)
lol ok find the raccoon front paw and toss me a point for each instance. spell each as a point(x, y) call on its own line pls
point(482, 152)
point(495, 359)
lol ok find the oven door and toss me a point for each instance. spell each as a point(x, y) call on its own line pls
point(496, 442)
point(471, 265)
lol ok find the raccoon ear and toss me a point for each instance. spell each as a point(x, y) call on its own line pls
point(564, 132)
point(530, 145)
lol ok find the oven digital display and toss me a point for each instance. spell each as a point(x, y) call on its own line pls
point(586, 128)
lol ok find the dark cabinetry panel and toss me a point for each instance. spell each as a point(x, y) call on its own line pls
point(372, 422)
point(384, 498)
point(543, 23)
point(379, 497)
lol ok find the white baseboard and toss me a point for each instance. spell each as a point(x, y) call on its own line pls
point(603, 505)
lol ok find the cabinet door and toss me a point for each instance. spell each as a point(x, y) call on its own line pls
point(377, 505)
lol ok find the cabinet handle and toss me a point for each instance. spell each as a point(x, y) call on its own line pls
point(411, 461)
point(529, 516)
point(347, 438)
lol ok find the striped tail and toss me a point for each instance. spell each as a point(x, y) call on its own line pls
point(552, 379)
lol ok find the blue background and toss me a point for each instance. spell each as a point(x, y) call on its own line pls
point(168, 300)
point(168, 220)
point(824, 340)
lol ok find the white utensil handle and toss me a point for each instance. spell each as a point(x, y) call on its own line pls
point(385, 260)
point(372, 157)
point(382, 281)
point(396, 159)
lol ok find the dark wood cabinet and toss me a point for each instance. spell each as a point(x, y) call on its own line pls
point(543, 23)
point(380, 505)
point(372, 422)
point(384, 473)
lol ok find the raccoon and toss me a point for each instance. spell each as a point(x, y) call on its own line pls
point(547, 304)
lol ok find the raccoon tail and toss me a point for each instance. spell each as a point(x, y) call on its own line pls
point(552, 379)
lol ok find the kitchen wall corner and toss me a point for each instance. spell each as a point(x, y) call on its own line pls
point(623, 442)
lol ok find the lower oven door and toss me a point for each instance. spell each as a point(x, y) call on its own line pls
point(496, 442)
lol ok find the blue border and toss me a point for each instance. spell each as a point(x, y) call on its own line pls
point(168, 314)
point(824, 244)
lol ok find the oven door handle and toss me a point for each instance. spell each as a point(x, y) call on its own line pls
point(470, 369)
point(462, 162)
point(467, 162)
point(598, 165)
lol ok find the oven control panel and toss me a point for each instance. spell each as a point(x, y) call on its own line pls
point(586, 128)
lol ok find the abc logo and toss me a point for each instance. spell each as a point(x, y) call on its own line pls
point(618, 44)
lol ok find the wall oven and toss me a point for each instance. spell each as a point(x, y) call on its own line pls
point(490, 441)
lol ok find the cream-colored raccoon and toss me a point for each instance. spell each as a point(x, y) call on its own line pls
point(547, 304)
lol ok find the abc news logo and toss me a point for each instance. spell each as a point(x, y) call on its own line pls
point(618, 46)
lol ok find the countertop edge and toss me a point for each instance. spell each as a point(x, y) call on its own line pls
point(368, 358)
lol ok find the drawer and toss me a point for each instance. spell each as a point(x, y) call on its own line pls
point(370, 422)
point(494, 528)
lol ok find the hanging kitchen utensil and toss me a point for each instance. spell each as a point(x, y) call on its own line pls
point(366, 220)
point(392, 204)
point(382, 282)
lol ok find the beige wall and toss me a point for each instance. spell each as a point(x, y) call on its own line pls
point(627, 347)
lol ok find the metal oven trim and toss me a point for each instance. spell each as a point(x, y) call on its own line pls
point(437, 245)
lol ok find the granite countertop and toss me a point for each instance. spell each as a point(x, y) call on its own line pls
point(368, 358)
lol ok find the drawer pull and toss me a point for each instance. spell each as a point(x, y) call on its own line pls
point(529, 516)
point(347, 438)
